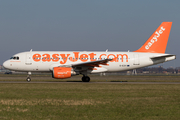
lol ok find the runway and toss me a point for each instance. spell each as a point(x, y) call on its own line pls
point(76, 82)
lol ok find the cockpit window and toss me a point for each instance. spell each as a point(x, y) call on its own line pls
point(15, 58)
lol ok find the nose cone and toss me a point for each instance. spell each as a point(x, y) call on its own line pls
point(5, 64)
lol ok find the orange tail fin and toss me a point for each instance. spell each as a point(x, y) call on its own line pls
point(158, 40)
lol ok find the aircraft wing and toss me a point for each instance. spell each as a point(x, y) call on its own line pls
point(84, 65)
point(92, 63)
point(91, 66)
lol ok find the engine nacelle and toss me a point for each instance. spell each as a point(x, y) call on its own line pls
point(62, 72)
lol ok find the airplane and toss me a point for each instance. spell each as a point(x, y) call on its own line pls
point(65, 64)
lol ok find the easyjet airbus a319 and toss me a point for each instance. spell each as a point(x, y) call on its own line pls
point(64, 64)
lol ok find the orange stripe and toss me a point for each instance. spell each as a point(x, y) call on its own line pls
point(92, 68)
point(104, 64)
point(15, 61)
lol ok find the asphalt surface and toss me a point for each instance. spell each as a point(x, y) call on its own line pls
point(32, 82)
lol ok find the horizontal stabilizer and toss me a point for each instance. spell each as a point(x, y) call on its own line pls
point(162, 56)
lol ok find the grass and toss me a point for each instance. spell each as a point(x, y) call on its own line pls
point(95, 78)
point(89, 101)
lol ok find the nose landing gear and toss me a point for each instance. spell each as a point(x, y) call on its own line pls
point(29, 77)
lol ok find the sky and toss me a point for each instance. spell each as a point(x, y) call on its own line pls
point(85, 25)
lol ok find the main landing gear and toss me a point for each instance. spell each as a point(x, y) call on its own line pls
point(85, 78)
point(29, 77)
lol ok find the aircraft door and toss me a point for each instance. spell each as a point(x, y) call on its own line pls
point(136, 59)
point(28, 59)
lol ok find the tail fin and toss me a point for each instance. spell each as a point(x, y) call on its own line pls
point(158, 40)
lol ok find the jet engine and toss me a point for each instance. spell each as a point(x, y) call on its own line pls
point(62, 72)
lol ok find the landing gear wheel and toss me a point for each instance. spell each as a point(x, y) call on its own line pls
point(85, 79)
point(28, 79)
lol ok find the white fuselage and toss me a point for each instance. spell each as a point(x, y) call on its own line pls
point(44, 61)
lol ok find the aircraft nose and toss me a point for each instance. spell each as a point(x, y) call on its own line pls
point(5, 64)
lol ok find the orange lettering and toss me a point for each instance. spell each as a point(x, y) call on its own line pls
point(46, 57)
point(64, 57)
point(55, 57)
point(84, 57)
point(100, 57)
point(122, 57)
point(76, 54)
point(36, 57)
point(115, 59)
point(92, 56)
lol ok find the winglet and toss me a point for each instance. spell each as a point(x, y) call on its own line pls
point(158, 40)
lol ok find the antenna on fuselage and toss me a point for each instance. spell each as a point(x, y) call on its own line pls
point(107, 50)
point(31, 50)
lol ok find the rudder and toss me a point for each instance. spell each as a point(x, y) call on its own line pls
point(158, 41)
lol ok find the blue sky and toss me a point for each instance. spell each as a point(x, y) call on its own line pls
point(85, 25)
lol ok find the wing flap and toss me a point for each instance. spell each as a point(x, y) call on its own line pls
point(92, 63)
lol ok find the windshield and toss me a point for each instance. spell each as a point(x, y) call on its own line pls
point(15, 58)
